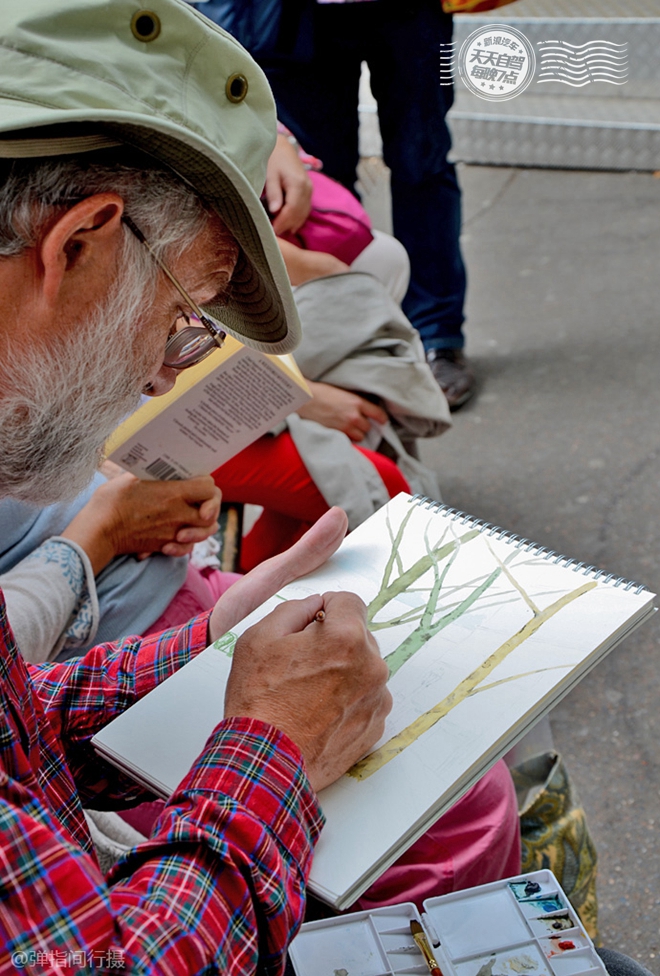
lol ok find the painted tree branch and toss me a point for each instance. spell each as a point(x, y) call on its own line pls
point(376, 760)
point(426, 629)
point(388, 591)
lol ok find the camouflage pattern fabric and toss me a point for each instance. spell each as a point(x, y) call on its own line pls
point(555, 834)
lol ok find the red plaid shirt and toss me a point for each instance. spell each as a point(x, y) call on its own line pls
point(220, 885)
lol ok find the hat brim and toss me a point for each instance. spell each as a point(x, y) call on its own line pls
point(255, 309)
point(258, 309)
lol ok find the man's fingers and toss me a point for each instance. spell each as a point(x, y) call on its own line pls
point(314, 548)
point(355, 434)
point(191, 534)
point(342, 604)
point(343, 611)
point(208, 510)
point(297, 204)
point(287, 220)
point(198, 490)
point(111, 470)
point(291, 217)
point(175, 549)
point(291, 617)
point(310, 552)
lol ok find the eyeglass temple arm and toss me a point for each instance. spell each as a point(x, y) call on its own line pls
point(215, 331)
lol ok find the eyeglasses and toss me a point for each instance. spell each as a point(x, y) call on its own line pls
point(190, 344)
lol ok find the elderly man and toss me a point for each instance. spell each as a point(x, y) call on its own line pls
point(127, 201)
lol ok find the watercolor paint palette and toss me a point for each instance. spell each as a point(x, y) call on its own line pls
point(523, 926)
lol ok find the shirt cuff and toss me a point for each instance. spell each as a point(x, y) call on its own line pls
point(262, 770)
point(84, 620)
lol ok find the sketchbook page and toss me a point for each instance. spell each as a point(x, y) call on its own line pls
point(478, 635)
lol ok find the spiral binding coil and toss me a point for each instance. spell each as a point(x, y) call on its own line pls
point(504, 535)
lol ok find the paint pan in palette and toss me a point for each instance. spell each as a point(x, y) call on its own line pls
point(557, 945)
point(522, 926)
point(375, 943)
point(560, 922)
point(543, 906)
point(531, 889)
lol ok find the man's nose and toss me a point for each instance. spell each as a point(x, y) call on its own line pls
point(162, 383)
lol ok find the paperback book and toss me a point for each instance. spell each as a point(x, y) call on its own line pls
point(214, 411)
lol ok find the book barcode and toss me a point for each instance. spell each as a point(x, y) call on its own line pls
point(162, 471)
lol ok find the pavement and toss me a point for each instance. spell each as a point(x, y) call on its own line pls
point(562, 445)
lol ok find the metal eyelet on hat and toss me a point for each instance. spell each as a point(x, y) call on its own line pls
point(236, 88)
point(145, 25)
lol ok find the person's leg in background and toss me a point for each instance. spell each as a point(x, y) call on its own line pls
point(476, 841)
point(318, 99)
point(619, 965)
point(404, 57)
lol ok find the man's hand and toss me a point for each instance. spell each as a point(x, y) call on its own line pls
point(323, 683)
point(342, 410)
point(288, 188)
point(127, 515)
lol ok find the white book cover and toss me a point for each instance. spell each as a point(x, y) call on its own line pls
point(483, 633)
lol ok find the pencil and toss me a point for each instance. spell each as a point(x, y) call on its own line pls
point(424, 947)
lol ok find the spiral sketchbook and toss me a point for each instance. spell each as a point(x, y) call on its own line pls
point(483, 632)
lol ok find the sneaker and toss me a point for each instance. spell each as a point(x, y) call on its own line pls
point(453, 375)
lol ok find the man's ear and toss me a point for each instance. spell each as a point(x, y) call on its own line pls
point(80, 239)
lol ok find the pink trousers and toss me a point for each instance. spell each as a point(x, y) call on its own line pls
point(476, 841)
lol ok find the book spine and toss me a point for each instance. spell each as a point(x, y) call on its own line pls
point(456, 515)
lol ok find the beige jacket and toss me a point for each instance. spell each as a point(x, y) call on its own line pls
point(357, 338)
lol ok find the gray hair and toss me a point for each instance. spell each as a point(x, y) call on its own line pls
point(167, 210)
point(63, 396)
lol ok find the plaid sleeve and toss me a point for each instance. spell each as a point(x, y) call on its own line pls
point(80, 697)
point(219, 887)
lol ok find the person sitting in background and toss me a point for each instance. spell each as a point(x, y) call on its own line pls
point(352, 445)
point(371, 386)
point(84, 572)
point(322, 228)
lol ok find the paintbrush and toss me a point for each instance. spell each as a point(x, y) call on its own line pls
point(424, 947)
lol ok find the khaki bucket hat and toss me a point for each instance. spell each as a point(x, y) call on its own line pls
point(81, 75)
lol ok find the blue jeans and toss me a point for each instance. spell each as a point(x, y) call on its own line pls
point(317, 99)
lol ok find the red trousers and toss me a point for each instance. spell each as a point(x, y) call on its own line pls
point(271, 473)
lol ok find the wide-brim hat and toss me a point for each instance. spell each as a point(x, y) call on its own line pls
point(80, 75)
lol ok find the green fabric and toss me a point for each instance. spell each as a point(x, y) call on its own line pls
point(76, 66)
point(555, 834)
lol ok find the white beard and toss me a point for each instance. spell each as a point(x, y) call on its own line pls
point(61, 399)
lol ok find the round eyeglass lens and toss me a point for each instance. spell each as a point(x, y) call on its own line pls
point(188, 346)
